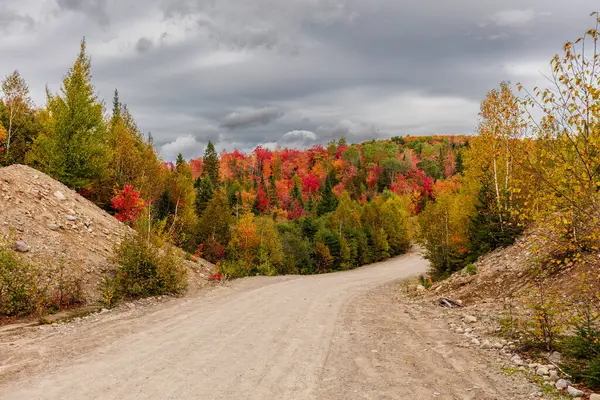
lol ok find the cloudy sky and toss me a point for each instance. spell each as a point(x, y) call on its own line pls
point(291, 72)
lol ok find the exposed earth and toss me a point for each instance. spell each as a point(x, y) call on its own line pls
point(347, 335)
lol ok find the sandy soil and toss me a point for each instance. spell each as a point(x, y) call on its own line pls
point(335, 336)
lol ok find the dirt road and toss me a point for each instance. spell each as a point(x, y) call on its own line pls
point(336, 336)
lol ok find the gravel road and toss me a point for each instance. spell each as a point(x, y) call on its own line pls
point(259, 338)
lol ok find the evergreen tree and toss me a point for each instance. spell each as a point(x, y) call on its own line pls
point(273, 197)
point(459, 162)
point(163, 207)
point(216, 220)
point(296, 193)
point(73, 146)
point(116, 112)
point(490, 228)
point(211, 164)
point(442, 163)
point(328, 201)
point(204, 193)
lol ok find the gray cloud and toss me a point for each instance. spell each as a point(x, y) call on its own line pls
point(248, 118)
point(94, 9)
point(259, 72)
point(143, 45)
point(10, 20)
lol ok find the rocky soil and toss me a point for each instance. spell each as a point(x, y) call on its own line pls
point(52, 225)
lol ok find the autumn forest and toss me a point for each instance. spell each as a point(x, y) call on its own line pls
point(533, 161)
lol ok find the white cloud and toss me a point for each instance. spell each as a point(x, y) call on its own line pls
point(513, 17)
point(222, 58)
point(187, 145)
point(299, 135)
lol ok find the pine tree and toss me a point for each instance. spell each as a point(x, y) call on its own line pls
point(296, 193)
point(204, 192)
point(273, 197)
point(73, 146)
point(216, 220)
point(458, 162)
point(490, 228)
point(116, 113)
point(211, 164)
point(328, 201)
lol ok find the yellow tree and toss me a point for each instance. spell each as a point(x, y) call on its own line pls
point(245, 240)
point(443, 229)
point(566, 155)
point(492, 151)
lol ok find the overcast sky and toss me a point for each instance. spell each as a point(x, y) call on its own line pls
point(291, 72)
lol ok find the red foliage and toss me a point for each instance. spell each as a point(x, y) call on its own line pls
point(128, 204)
point(262, 200)
point(216, 277)
point(310, 183)
point(196, 165)
point(296, 210)
point(374, 173)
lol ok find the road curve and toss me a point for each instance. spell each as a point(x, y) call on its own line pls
point(265, 341)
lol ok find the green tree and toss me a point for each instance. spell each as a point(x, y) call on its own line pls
point(204, 192)
point(328, 201)
point(17, 116)
point(488, 230)
point(73, 145)
point(216, 220)
point(211, 163)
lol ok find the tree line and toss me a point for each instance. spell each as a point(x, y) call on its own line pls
point(271, 211)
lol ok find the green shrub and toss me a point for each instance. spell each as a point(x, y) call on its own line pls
point(425, 281)
point(144, 269)
point(233, 269)
point(19, 293)
point(26, 288)
point(471, 269)
point(583, 348)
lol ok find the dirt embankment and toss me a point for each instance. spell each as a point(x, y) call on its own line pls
point(55, 226)
point(510, 272)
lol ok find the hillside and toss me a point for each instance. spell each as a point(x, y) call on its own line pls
point(509, 272)
point(56, 227)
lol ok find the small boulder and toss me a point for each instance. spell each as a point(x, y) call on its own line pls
point(58, 194)
point(475, 341)
point(554, 376)
point(561, 384)
point(595, 396)
point(486, 344)
point(53, 227)
point(555, 357)
point(498, 345)
point(470, 319)
point(516, 359)
point(71, 218)
point(574, 391)
point(542, 371)
point(21, 247)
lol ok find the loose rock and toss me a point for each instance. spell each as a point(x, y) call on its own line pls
point(574, 391)
point(53, 227)
point(561, 384)
point(21, 247)
point(470, 319)
point(58, 194)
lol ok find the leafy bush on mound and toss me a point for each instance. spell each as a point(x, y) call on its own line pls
point(25, 288)
point(144, 270)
